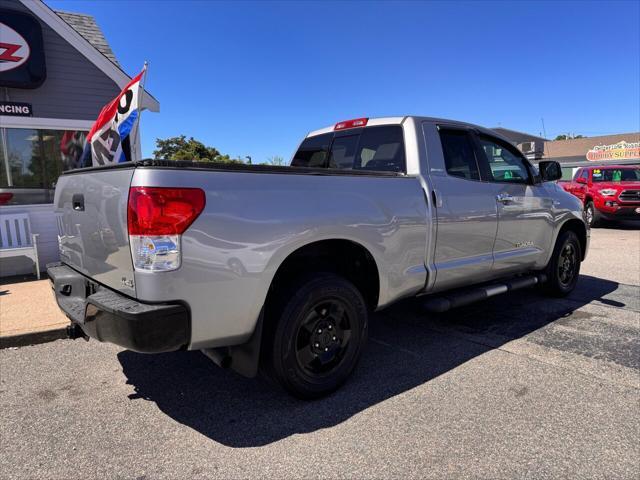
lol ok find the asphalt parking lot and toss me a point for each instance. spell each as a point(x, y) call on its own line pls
point(519, 386)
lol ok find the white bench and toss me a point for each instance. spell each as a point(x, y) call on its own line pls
point(16, 239)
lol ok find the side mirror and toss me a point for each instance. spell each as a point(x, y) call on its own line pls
point(581, 180)
point(549, 170)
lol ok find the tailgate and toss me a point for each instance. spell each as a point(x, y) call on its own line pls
point(91, 207)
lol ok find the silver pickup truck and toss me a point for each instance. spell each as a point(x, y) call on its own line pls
point(276, 269)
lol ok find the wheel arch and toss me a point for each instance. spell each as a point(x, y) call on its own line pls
point(344, 257)
point(578, 227)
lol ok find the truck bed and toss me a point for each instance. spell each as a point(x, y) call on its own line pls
point(250, 225)
point(235, 167)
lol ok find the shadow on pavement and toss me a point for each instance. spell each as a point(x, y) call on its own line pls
point(407, 348)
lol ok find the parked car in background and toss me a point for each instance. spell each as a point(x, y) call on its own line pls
point(277, 268)
point(609, 192)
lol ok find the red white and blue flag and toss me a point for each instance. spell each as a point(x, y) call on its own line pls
point(108, 140)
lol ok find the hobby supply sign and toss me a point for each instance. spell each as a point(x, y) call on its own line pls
point(617, 151)
point(21, 51)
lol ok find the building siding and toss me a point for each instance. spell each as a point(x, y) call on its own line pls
point(578, 147)
point(74, 87)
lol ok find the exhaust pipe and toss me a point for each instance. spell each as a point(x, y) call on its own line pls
point(219, 356)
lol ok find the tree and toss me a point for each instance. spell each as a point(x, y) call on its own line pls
point(275, 160)
point(179, 148)
point(568, 137)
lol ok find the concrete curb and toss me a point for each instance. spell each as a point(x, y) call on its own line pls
point(32, 338)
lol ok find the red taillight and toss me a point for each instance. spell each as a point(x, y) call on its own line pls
point(5, 197)
point(163, 211)
point(356, 122)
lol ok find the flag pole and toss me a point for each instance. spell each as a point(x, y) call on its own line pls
point(136, 137)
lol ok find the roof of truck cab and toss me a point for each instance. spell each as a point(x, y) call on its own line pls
point(371, 122)
point(374, 121)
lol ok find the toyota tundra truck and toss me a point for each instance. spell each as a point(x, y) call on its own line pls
point(277, 269)
point(609, 192)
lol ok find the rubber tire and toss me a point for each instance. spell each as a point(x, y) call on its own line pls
point(293, 304)
point(553, 286)
point(596, 220)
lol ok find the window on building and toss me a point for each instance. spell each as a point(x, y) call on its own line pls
point(3, 164)
point(31, 160)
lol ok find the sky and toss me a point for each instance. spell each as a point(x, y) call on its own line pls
point(253, 78)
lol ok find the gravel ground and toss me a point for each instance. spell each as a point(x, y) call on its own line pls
point(518, 386)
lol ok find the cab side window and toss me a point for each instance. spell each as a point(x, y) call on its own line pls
point(459, 154)
point(505, 163)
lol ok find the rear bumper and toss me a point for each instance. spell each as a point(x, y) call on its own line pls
point(109, 316)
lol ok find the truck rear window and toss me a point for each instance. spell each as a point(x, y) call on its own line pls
point(372, 148)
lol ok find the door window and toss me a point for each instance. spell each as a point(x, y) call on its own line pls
point(505, 164)
point(459, 155)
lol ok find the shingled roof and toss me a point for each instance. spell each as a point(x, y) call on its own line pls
point(86, 26)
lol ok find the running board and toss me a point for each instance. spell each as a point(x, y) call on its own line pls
point(444, 302)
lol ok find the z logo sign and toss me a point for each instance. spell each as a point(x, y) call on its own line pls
point(14, 49)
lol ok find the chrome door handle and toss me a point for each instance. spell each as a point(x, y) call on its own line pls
point(504, 198)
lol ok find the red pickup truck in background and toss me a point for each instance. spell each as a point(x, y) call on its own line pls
point(608, 193)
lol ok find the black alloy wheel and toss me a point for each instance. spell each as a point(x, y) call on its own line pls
point(317, 332)
point(567, 264)
point(323, 337)
point(563, 269)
